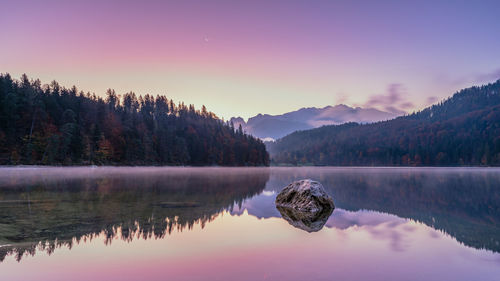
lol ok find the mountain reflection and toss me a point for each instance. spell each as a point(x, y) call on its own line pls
point(45, 212)
point(42, 209)
point(462, 202)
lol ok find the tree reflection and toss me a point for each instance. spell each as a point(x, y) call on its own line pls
point(47, 214)
point(464, 203)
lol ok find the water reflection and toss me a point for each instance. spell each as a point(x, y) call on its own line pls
point(45, 209)
point(464, 203)
point(42, 211)
point(308, 221)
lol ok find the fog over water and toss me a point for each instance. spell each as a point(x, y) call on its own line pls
point(170, 219)
point(18, 175)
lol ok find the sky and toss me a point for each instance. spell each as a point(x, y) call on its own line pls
point(241, 58)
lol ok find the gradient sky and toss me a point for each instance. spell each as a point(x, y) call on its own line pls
point(240, 58)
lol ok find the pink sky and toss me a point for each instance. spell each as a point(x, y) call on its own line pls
point(243, 58)
point(247, 248)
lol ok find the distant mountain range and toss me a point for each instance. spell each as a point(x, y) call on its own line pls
point(269, 127)
point(462, 130)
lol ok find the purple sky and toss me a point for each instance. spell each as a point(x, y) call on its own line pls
point(240, 58)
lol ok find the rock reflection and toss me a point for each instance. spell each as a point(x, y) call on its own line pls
point(61, 207)
point(462, 202)
point(46, 213)
point(308, 221)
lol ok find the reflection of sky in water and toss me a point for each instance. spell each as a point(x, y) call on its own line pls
point(388, 235)
point(380, 226)
point(244, 247)
point(250, 240)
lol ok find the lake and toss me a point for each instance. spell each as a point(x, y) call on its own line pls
point(143, 223)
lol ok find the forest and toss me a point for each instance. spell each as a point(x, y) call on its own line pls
point(463, 130)
point(53, 125)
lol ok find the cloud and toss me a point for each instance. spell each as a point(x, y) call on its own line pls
point(407, 105)
point(488, 77)
point(393, 101)
point(341, 99)
point(394, 110)
point(431, 100)
point(469, 79)
point(392, 96)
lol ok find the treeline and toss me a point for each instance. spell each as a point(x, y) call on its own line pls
point(462, 130)
point(53, 125)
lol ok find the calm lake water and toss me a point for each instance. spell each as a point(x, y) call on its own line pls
point(222, 224)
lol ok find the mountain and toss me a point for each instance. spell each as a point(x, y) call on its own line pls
point(462, 130)
point(276, 126)
point(52, 125)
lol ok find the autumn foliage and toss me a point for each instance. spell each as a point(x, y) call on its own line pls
point(52, 125)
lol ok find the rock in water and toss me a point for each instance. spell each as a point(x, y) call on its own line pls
point(305, 196)
point(305, 205)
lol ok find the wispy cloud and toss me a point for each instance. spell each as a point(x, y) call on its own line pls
point(431, 100)
point(341, 99)
point(488, 77)
point(393, 100)
point(471, 78)
point(407, 105)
